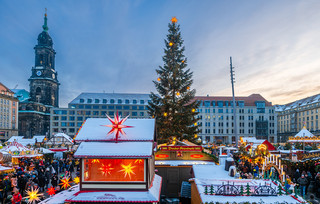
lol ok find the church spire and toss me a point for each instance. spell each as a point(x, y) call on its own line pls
point(45, 26)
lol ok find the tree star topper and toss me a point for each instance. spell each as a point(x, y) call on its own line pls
point(174, 20)
point(117, 125)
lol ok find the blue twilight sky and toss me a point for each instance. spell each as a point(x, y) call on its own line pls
point(117, 45)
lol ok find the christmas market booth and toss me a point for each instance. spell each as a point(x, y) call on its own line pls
point(17, 151)
point(304, 136)
point(5, 163)
point(117, 161)
point(174, 164)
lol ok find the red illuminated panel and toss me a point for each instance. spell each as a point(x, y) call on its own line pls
point(196, 155)
point(114, 170)
point(162, 155)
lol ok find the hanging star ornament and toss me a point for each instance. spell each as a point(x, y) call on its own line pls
point(65, 183)
point(117, 125)
point(51, 191)
point(127, 170)
point(33, 195)
point(106, 169)
point(76, 180)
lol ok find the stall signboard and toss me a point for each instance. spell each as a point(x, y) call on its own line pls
point(311, 155)
point(181, 148)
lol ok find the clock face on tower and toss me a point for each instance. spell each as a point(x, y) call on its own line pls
point(38, 73)
point(53, 76)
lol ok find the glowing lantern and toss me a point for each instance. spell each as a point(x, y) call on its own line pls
point(193, 110)
point(188, 88)
point(106, 169)
point(117, 126)
point(165, 114)
point(178, 94)
point(158, 79)
point(51, 191)
point(33, 195)
point(182, 61)
point(170, 44)
point(76, 180)
point(127, 170)
point(195, 124)
point(65, 183)
point(195, 136)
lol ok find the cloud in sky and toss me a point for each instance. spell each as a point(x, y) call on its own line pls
point(117, 45)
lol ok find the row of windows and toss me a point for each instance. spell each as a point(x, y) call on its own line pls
point(112, 101)
point(66, 130)
point(109, 107)
point(221, 103)
point(5, 101)
point(221, 124)
point(96, 113)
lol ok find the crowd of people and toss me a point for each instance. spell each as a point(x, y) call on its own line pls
point(35, 174)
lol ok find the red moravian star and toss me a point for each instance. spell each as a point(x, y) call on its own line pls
point(117, 125)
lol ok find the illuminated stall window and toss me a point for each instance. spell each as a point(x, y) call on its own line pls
point(114, 170)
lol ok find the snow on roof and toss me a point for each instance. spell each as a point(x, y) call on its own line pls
point(304, 133)
point(205, 177)
point(27, 141)
point(150, 196)
point(253, 140)
point(114, 150)
point(93, 130)
point(182, 162)
point(4, 168)
point(60, 134)
point(298, 103)
point(15, 146)
point(60, 197)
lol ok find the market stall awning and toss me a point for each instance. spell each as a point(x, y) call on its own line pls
point(114, 150)
point(150, 196)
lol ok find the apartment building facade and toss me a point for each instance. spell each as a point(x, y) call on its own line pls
point(97, 105)
point(256, 117)
point(8, 113)
point(292, 117)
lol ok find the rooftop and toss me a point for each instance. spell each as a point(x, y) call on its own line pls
point(248, 100)
point(299, 103)
point(94, 129)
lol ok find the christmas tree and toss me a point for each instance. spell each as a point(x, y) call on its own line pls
point(248, 189)
point(279, 190)
point(241, 190)
point(206, 190)
point(211, 190)
point(174, 107)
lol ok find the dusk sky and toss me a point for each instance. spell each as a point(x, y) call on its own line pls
point(115, 46)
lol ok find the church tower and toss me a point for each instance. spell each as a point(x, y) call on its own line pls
point(44, 85)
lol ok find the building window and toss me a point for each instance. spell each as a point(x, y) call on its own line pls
point(141, 114)
point(119, 101)
point(88, 112)
point(95, 112)
point(126, 107)
point(89, 100)
point(80, 118)
point(134, 114)
point(141, 101)
point(118, 107)
point(134, 101)
point(56, 118)
point(95, 107)
point(88, 107)
point(96, 101)
point(104, 100)
point(79, 124)
point(112, 101)
point(63, 117)
point(63, 124)
point(71, 124)
point(127, 101)
point(220, 104)
point(72, 112)
point(111, 112)
point(71, 130)
point(71, 118)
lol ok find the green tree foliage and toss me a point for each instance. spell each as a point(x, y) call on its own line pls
point(174, 106)
point(288, 146)
point(279, 190)
point(248, 190)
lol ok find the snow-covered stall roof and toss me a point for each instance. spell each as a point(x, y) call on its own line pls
point(304, 133)
point(66, 138)
point(27, 141)
point(94, 130)
point(60, 197)
point(15, 146)
point(252, 140)
point(203, 176)
point(152, 195)
point(4, 168)
point(182, 162)
point(114, 150)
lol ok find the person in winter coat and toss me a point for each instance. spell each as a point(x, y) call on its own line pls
point(16, 197)
point(54, 180)
point(303, 181)
point(296, 175)
point(42, 180)
point(47, 176)
point(317, 185)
